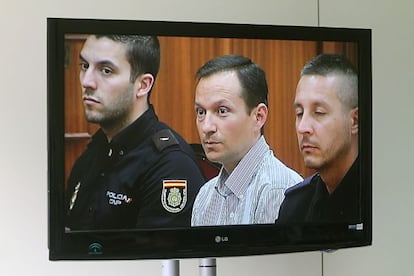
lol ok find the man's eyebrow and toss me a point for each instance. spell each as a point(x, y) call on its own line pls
point(216, 103)
point(320, 102)
point(223, 102)
point(81, 57)
point(103, 62)
point(296, 104)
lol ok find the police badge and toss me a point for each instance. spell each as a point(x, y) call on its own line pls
point(174, 195)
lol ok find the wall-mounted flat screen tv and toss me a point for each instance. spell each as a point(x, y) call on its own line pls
point(128, 155)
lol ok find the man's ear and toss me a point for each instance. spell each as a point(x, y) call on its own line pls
point(354, 121)
point(143, 84)
point(261, 114)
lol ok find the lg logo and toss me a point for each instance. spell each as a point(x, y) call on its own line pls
point(219, 239)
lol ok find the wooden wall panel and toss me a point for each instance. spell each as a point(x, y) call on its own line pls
point(347, 48)
point(75, 122)
point(77, 130)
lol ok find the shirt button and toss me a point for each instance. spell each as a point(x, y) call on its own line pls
point(231, 215)
point(121, 153)
point(110, 153)
point(102, 174)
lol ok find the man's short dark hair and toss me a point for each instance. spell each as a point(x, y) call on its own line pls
point(338, 65)
point(252, 78)
point(143, 53)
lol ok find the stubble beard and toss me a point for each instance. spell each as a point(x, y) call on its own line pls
point(114, 115)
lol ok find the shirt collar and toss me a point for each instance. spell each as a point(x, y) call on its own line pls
point(238, 181)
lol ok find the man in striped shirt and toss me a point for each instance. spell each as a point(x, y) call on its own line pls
point(231, 108)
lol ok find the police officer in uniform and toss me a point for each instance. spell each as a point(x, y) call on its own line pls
point(327, 127)
point(136, 172)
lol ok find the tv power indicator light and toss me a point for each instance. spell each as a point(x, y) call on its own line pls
point(356, 227)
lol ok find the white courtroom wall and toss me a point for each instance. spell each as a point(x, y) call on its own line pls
point(393, 97)
point(23, 148)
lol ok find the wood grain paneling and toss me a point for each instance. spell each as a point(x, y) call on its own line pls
point(77, 130)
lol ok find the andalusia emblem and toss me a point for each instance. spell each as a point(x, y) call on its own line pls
point(174, 195)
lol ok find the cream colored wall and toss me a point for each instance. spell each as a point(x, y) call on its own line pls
point(393, 97)
point(23, 148)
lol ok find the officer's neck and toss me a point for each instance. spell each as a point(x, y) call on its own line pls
point(112, 129)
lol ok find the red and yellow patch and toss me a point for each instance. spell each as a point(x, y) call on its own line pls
point(174, 195)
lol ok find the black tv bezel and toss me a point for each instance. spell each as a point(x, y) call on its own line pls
point(197, 242)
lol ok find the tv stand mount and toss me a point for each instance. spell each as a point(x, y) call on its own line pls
point(207, 267)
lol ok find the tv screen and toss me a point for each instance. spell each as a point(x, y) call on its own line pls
point(164, 230)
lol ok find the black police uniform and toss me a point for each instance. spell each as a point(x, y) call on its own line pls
point(310, 202)
point(145, 177)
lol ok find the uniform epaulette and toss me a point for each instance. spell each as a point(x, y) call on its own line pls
point(164, 139)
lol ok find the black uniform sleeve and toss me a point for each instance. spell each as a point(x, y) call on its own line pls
point(172, 185)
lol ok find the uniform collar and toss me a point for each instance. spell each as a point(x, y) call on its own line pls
point(133, 135)
point(348, 184)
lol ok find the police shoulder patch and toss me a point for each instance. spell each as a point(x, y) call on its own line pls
point(174, 195)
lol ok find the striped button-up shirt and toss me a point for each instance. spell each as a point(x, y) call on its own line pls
point(251, 194)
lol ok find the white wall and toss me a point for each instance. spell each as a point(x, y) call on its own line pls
point(23, 148)
point(393, 97)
